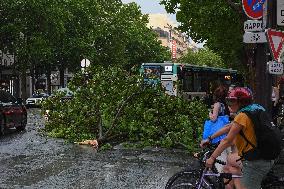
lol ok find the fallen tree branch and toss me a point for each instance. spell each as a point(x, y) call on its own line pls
point(119, 112)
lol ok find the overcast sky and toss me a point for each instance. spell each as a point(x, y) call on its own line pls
point(151, 6)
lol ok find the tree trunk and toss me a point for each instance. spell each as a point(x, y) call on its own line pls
point(263, 78)
point(250, 54)
point(32, 72)
point(48, 81)
point(61, 75)
point(23, 84)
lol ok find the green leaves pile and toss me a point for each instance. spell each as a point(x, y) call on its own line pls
point(124, 109)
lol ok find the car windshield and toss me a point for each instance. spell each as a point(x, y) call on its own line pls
point(6, 97)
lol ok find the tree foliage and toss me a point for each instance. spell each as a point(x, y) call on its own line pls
point(107, 32)
point(219, 22)
point(126, 110)
point(50, 34)
point(203, 57)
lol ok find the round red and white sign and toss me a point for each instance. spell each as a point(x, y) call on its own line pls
point(253, 8)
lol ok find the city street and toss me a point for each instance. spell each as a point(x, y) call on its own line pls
point(30, 160)
point(147, 72)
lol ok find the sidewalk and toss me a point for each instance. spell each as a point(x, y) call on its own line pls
point(275, 178)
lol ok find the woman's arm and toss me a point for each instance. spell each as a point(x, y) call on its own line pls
point(225, 143)
point(220, 132)
point(214, 114)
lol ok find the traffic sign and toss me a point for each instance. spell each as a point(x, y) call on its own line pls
point(275, 40)
point(253, 8)
point(254, 37)
point(275, 68)
point(253, 25)
point(280, 12)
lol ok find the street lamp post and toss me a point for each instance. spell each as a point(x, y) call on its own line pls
point(84, 64)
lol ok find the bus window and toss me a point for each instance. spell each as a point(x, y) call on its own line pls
point(152, 73)
point(194, 80)
point(187, 84)
point(197, 82)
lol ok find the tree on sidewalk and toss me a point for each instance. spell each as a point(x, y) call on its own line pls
point(49, 35)
point(203, 57)
point(219, 23)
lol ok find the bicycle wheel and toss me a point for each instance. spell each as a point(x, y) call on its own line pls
point(280, 122)
point(187, 179)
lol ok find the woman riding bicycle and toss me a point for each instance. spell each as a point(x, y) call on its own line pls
point(253, 171)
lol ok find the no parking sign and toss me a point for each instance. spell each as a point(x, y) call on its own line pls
point(253, 8)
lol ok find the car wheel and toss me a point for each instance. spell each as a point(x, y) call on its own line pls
point(21, 127)
point(2, 127)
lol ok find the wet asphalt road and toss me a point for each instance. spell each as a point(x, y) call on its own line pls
point(30, 160)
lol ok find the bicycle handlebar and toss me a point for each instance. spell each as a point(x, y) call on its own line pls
point(229, 176)
point(209, 149)
point(206, 152)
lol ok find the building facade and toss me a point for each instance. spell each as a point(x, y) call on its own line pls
point(169, 36)
point(10, 79)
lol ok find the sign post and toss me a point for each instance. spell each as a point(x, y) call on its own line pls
point(280, 12)
point(264, 14)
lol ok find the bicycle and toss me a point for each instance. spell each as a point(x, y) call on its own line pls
point(202, 178)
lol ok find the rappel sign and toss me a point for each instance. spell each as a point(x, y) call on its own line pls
point(253, 25)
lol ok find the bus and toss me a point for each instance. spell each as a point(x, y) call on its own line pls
point(189, 81)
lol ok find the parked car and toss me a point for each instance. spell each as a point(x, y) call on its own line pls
point(36, 100)
point(13, 113)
